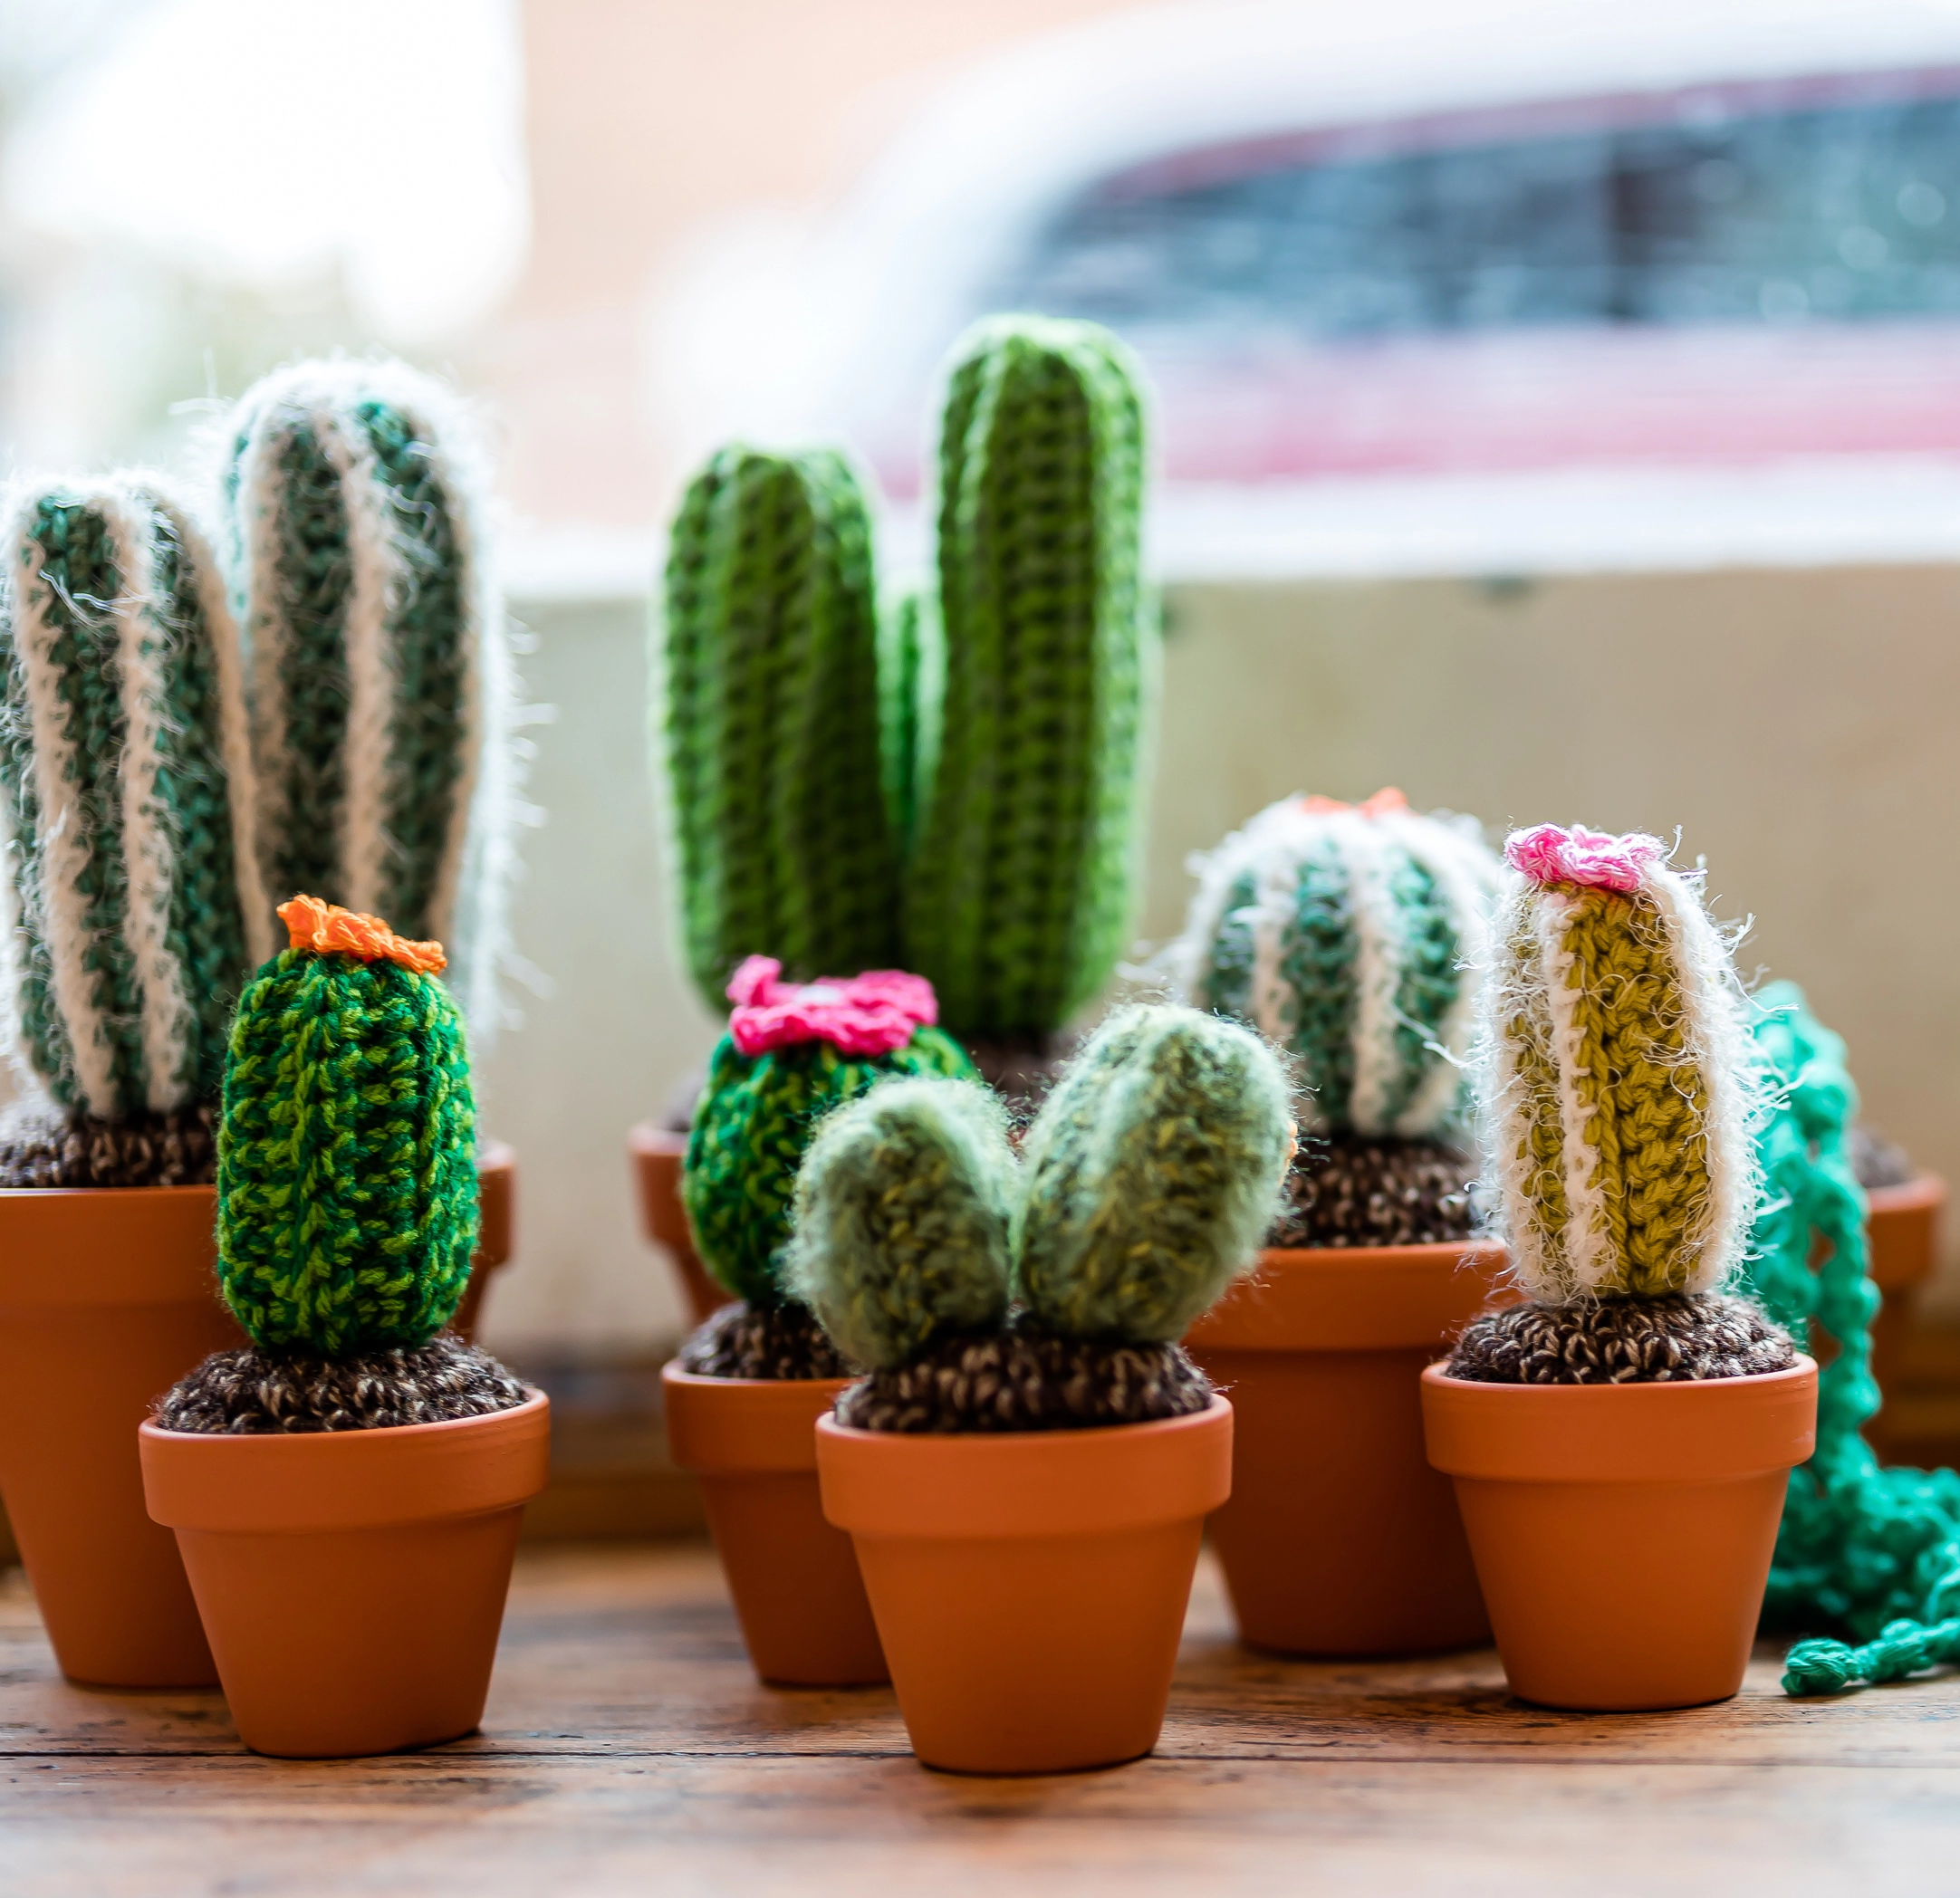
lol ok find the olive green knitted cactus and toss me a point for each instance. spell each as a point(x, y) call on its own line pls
point(1348, 936)
point(136, 907)
point(347, 1194)
point(381, 681)
point(1019, 894)
point(786, 846)
point(1622, 1098)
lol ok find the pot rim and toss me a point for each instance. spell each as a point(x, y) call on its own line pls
point(745, 1426)
point(1025, 1484)
point(1699, 1430)
point(1925, 1189)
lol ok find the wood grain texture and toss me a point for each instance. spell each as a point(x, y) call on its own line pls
point(627, 1750)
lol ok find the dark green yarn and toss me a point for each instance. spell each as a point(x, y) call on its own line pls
point(1317, 967)
point(1430, 976)
point(779, 777)
point(751, 1128)
point(1019, 892)
point(346, 1180)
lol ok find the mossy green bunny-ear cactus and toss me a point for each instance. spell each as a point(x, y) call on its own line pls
point(382, 680)
point(784, 840)
point(1347, 934)
point(347, 1195)
point(791, 1055)
point(901, 1220)
point(125, 789)
point(1622, 1098)
point(1040, 659)
point(1152, 1172)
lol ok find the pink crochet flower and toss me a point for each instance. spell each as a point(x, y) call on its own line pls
point(872, 1013)
point(1549, 855)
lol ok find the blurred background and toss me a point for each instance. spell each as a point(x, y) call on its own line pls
point(1558, 413)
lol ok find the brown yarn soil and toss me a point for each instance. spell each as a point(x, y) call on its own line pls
point(1349, 1190)
point(776, 1341)
point(254, 1393)
point(46, 1145)
point(1622, 1341)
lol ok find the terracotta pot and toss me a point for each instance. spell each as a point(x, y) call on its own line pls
point(1623, 1531)
point(108, 1296)
point(1340, 1538)
point(1030, 1588)
point(1904, 1230)
point(497, 1200)
point(657, 1153)
point(794, 1579)
point(351, 1582)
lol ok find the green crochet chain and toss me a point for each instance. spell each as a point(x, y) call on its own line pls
point(1874, 1550)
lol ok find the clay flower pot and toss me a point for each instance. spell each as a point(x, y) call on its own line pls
point(108, 1296)
point(794, 1579)
point(1623, 1531)
point(351, 1582)
point(1904, 1230)
point(1030, 1587)
point(497, 1200)
point(1340, 1538)
point(657, 1154)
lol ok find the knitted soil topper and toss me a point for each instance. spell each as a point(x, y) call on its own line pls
point(328, 929)
point(869, 1014)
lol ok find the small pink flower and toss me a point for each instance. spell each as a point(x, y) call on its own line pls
point(872, 1013)
point(1590, 857)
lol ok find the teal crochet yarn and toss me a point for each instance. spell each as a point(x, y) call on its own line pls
point(134, 900)
point(1152, 1172)
point(784, 810)
point(901, 1219)
point(346, 1194)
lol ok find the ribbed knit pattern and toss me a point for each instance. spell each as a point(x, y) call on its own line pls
point(1018, 897)
point(124, 788)
point(1345, 935)
point(346, 1179)
point(751, 1128)
point(778, 787)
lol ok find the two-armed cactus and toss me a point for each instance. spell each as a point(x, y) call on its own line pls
point(1143, 1186)
point(955, 792)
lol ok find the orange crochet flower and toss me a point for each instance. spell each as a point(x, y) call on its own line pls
point(1385, 802)
point(329, 929)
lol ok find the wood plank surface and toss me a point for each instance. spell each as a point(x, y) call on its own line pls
point(627, 1749)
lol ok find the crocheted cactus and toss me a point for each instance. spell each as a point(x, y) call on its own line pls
point(1019, 894)
point(1346, 935)
point(790, 1056)
point(1622, 1080)
point(347, 1194)
point(785, 842)
point(381, 675)
point(902, 1209)
point(125, 786)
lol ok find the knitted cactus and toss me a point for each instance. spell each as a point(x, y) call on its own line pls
point(1622, 1080)
point(902, 1209)
point(785, 844)
point(1344, 935)
point(790, 1056)
point(381, 677)
point(1019, 893)
point(125, 787)
point(347, 1196)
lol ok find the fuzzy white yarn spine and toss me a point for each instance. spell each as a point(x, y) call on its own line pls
point(262, 618)
point(1511, 996)
point(1378, 955)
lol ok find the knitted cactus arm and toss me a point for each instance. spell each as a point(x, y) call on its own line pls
point(1153, 1170)
point(1622, 1091)
point(125, 782)
point(1020, 889)
point(1344, 935)
point(902, 1210)
point(382, 681)
point(783, 840)
point(347, 1183)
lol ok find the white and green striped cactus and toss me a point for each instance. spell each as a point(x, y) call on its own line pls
point(1342, 933)
point(381, 681)
point(136, 908)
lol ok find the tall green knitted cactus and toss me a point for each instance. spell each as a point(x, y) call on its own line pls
point(1348, 937)
point(1019, 893)
point(125, 787)
point(1622, 1098)
point(347, 1196)
point(381, 677)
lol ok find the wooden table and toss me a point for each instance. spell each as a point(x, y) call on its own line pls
point(628, 1750)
